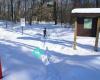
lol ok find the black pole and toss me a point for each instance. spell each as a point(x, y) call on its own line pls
point(22, 30)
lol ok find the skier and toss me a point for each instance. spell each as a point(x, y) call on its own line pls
point(44, 32)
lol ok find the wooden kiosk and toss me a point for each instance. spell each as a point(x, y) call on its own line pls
point(87, 23)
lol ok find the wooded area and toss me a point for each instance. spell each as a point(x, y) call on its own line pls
point(42, 10)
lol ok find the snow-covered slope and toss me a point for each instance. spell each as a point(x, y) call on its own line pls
point(64, 62)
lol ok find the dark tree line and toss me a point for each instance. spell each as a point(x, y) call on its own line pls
point(42, 10)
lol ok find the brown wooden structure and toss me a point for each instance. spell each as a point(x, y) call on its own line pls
point(89, 28)
point(81, 31)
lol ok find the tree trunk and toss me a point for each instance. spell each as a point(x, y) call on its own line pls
point(55, 12)
point(61, 13)
point(97, 2)
point(12, 12)
point(25, 11)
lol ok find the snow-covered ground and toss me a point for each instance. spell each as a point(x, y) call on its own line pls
point(18, 63)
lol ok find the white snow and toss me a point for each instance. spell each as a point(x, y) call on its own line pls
point(86, 10)
point(64, 63)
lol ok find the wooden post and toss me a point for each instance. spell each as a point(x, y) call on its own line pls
point(75, 35)
point(97, 36)
point(0, 71)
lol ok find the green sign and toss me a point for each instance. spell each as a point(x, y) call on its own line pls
point(37, 52)
point(87, 23)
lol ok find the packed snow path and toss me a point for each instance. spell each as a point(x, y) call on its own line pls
point(65, 63)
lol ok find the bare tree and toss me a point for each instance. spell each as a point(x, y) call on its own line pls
point(12, 11)
point(31, 12)
point(97, 3)
point(55, 11)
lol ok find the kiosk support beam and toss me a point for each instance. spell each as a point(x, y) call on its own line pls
point(75, 35)
point(97, 36)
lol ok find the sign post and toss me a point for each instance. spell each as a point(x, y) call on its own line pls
point(22, 21)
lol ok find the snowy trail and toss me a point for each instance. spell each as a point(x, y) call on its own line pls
point(68, 68)
point(65, 63)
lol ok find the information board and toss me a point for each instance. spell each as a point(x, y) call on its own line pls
point(22, 20)
point(87, 23)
